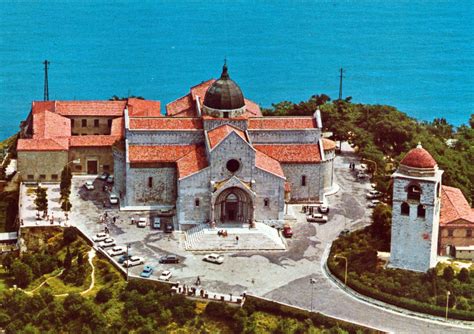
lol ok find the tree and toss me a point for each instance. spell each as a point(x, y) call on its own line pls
point(66, 205)
point(463, 275)
point(65, 184)
point(448, 274)
point(103, 296)
point(80, 258)
point(41, 200)
point(67, 259)
point(382, 223)
point(69, 235)
point(22, 274)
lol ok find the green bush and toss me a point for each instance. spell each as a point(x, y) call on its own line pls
point(103, 296)
point(22, 274)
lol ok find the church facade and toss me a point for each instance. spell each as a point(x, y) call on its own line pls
point(212, 157)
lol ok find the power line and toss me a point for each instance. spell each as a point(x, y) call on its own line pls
point(340, 83)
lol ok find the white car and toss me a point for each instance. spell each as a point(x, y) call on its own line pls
point(100, 237)
point(165, 275)
point(104, 176)
point(374, 203)
point(89, 185)
point(110, 179)
point(117, 250)
point(133, 261)
point(317, 218)
point(109, 242)
point(373, 194)
point(113, 199)
point(323, 209)
point(141, 222)
point(214, 258)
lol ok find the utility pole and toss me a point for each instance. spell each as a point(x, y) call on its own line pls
point(46, 88)
point(340, 83)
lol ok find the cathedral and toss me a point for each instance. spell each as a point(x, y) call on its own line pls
point(212, 157)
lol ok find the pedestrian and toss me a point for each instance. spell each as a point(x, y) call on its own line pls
point(237, 239)
point(133, 220)
point(198, 281)
point(105, 214)
point(115, 218)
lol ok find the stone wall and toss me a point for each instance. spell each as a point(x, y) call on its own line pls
point(162, 192)
point(414, 239)
point(196, 186)
point(271, 187)
point(327, 175)
point(161, 137)
point(42, 165)
point(459, 237)
point(103, 127)
point(285, 136)
point(210, 124)
point(312, 190)
point(103, 156)
point(120, 185)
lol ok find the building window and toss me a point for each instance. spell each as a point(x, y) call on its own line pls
point(225, 114)
point(106, 168)
point(414, 192)
point(30, 177)
point(233, 165)
point(72, 123)
point(196, 202)
point(469, 233)
point(450, 232)
point(266, 202)
point(54, 176)
point(84, 123)
point(75, 134)
point(405, 209)
point(421, 211)
point(42, 177)
point(303, 180)
point(109, 123)
point(150, 182)
point(96, 134)
point(96, 123)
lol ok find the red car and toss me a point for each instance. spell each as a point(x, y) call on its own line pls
point(287, 232)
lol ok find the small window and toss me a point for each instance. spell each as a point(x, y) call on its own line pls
point(109, 123)
point(96, 123)
point(414, 192)
point(196, 202)
point(303, 180)
point(96, 134)
point(78, 167)
point(72, 123)
point(450, 232)
point(266, 202)
point(42, 177)
point(233, 165)
point(54, 176)
point(405, 209)
point(106, 168)
point(30, 177)
point(225, 114)
point(150, 182)
point(421, 211)
point(468, 233)
point(84, 123)
point(75, 134)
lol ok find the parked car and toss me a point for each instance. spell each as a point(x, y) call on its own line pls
point(123, 258)
point(373, 203)
point(169, 259)
point(373, 194)
point(165, 275)
point(344, 232)
point(287, 231)
point(362, 176)
point(141, 222)
point(133, 261)
point(109, 242)
point(89, 185)
point(169, 227)
point(113, 198)
point(110, 179)
point(100, 237)
point(317, 218)
point(104, 176)
point(157, 223)
point(214, 258)
point(117, 250)
point(323, 209)
point(147, 271)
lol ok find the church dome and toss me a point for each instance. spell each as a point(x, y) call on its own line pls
point(224, 94)
point(418, 158)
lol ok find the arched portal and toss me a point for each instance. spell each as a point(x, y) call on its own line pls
point(233, 205)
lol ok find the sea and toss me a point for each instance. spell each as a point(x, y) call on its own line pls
point(415, 55)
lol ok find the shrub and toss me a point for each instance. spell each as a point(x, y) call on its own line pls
point(103, 296)
point(22, 274)
point(69, 235)
point(463, 275)
point(448, 274)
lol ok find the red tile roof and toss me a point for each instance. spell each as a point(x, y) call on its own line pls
point(268, 164)
point(292, 153)
point(143, 108)
point(182, 107)
point(47, 124)
point(155, 153)
point(418, 158)
point(281, 123)
point(328, 144)
point(454, 207)
point(47, 144)
point(221, 132)
point(93, 141)
point(166, 123)
point(90, 108)
point(252, 108)
point(192, 162)
point(201, 89)
point(118, 127)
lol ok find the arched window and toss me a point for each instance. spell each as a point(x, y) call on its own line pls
point(405, 210)
point(266, 202)
point(421, 211)
point(150, 182)
point(414, 192)
point(303, 180)
point(196, 202)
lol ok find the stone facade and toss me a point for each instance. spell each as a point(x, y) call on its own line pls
point(42, 166)
point(101, 155)
point(307, 190)
point(455, 236)
point(87, 125)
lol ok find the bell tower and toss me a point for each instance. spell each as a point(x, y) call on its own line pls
point(415, 212)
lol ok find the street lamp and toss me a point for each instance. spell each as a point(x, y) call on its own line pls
point(447, 303)
point(312, 281)
point(345, 273)
point(128, 259)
